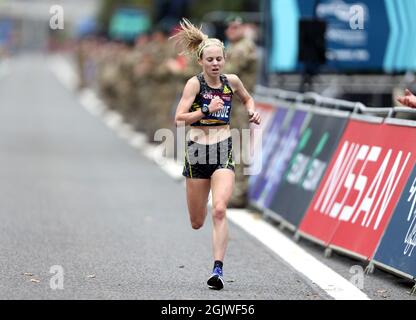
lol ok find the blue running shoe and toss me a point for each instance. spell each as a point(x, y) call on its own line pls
point(216, 281)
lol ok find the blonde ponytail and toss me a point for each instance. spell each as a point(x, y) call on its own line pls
point(191, 40)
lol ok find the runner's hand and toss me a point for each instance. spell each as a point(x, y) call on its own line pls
point(216, 104)
point(254, 117)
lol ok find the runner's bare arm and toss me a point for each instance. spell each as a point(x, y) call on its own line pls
point(183, 116)
point(245, 98)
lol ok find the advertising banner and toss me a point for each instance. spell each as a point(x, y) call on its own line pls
point(361, 187)
point(268, 140)
point(361, 36)
point(307, 167)
point(6, 32)
point(267, 112)
point(283, 149)
point(399, 240)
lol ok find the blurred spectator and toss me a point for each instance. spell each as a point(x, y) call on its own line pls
point(408, 100)
point(241, 55)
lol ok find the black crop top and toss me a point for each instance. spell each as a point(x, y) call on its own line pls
point(204, 97)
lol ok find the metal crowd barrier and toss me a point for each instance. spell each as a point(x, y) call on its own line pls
point(332, 103)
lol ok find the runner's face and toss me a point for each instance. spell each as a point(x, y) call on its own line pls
point(212, 60)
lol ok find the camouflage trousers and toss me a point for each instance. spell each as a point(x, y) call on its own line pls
point(239, 120)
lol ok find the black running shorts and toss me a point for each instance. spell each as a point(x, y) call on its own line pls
point(201, 160)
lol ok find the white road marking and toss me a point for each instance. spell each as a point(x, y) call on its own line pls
point(64, 72)
point(328, 280)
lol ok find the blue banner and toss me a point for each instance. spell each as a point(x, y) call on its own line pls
point(362, 35)
point(128, 23)
point(6, 31)
point(270, 137)
point(396, 249)
point(283, 149)
point(306, 167)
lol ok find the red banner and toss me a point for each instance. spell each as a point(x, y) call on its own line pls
point(361, 187)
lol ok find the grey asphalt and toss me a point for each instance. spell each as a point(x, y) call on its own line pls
point(73, 194)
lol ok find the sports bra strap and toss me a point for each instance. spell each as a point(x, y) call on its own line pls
point(203, 85)
point(224, 81)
